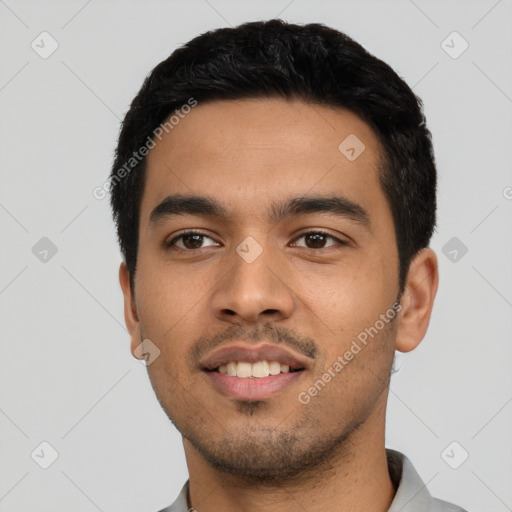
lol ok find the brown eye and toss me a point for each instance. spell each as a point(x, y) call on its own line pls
point(188, 241)
point(317, 240)
point(192, 241)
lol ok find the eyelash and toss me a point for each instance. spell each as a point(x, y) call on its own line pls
point(171, 243)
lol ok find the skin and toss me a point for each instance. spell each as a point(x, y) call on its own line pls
point(275, 454)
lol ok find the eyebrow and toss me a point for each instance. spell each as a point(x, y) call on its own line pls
point(206, 206)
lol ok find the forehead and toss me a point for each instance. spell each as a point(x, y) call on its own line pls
point(249, 152)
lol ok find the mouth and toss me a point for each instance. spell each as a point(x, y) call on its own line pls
point(253, 372)
point(241, 380)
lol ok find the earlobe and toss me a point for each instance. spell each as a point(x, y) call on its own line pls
point(130, 311)
point(417, 300)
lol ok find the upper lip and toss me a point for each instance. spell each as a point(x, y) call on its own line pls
point(251, 354)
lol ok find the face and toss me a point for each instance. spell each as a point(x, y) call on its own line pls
point(309, 280)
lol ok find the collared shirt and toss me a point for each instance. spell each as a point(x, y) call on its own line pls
point(412, 494)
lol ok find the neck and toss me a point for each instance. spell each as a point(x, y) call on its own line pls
point(355, 479)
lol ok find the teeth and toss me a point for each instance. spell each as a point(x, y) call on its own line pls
point(257, 370)
point(260, 369)
point(274, 367)
point(244, 370)
point(231, 368)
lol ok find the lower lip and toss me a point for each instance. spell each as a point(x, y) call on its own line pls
point(252, 388)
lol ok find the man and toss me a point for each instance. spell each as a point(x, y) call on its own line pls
point(274, 190)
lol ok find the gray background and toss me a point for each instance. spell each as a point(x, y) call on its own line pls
point(66, 373)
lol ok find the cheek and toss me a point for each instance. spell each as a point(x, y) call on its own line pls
point(169, 303)
point(352, 294)
point(345, 304)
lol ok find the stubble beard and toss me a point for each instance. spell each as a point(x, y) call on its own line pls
point(269, 456)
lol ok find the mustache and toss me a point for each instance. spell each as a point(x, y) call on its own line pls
point(263, 332)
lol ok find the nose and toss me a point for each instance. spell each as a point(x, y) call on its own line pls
point(253, 291)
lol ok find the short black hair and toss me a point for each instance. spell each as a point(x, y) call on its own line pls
point(273, 58)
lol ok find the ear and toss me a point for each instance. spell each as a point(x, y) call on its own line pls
point(131, 317)
point(417, 300)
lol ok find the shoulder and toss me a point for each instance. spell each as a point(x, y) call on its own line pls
point(412, 494)
point(443, 506)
